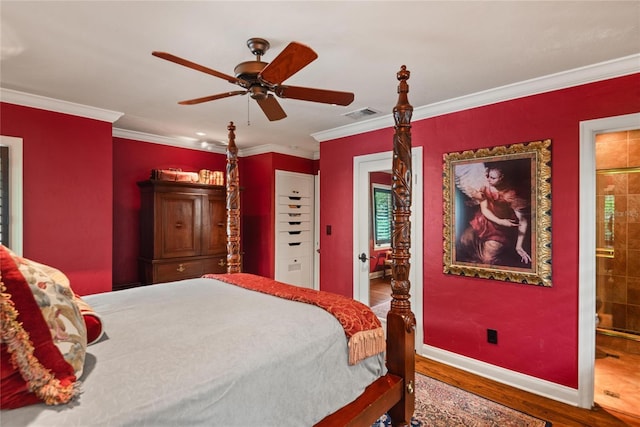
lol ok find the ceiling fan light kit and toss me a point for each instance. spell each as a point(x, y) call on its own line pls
point(261, 80)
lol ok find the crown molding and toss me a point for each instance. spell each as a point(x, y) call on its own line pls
point(280, 149)
point(578, 76)
point(42, 102)
point(588, 74)
point(164, 140)
point(190, 145)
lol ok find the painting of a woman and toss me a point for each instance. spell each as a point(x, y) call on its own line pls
point(495, 209)
point(497, 213)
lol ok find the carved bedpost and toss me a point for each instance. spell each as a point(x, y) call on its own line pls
point(400, 319)
point(233, 204)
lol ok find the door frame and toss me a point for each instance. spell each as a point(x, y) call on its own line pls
point(362, 166)
point(316, 231)
point(15, 192)
point(587, 248)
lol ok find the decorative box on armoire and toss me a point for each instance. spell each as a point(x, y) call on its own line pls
point(182, 230)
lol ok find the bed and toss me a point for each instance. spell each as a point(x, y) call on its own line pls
point(228, 350)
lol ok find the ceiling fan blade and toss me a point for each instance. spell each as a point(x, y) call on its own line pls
point(212, 97)
point(315, 95)
point(292, 59)
point(198, 67)
point(271, 108)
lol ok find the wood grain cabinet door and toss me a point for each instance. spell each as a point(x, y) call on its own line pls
point(180, 227)
point(214, 234)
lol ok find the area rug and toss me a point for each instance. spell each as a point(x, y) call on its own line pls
point(381, 310)
point(442, 405)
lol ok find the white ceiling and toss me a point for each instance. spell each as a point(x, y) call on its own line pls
point(98, 53)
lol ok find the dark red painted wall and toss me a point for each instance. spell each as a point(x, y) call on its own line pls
point(132, 162)
point(67, 192)
point(81, 201)
point(538, 330)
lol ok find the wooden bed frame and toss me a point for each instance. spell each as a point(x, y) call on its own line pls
point(392, 393)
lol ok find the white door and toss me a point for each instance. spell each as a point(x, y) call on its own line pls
point(362, 167)
point(586, 268)
point(294, 228)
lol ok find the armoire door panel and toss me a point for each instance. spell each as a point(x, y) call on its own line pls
point(181, 224)
point(215, 226)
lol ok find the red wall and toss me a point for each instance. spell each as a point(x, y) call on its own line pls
point(537, 326)
point(67, 192)
point(81, 200)
point(132, 162)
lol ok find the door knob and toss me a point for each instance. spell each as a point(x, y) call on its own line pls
point(363, 257)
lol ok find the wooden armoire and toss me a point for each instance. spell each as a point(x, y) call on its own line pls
point(182, 230)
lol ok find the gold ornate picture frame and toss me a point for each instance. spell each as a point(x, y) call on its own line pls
point(497, 213)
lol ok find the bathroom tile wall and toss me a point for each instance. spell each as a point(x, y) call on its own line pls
point(618, 278)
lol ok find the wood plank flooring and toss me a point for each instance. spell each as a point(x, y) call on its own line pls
point(379, 290)
point(559, 414)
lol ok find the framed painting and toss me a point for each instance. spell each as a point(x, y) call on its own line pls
point(497, 213)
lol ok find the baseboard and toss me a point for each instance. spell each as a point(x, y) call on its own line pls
point(122, 286)
point(518, 380)
point(379, 274)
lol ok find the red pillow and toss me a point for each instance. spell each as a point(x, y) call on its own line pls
point(92, 320)
point(32, 368)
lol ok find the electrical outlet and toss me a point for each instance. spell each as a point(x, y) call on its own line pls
point(328, 230)
point(492, 336)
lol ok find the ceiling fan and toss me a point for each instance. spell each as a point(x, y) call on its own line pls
point(259, 79)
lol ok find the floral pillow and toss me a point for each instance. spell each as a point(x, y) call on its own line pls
point(92, 320)
point(44, 337)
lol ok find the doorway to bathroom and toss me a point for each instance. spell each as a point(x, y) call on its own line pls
point(617, 363)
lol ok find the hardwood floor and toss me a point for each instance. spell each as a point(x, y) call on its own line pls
point(379, 290)
point(559, 414)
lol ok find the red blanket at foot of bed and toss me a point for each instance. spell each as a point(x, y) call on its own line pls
point(361, 326)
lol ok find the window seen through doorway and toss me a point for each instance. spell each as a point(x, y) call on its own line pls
point(382, 211)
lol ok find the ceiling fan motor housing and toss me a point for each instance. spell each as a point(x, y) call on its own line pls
point(248, 71)
point(258, 92)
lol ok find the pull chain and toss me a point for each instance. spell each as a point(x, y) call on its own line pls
point(248, 121)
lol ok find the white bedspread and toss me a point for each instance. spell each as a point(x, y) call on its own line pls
point(204, 353)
